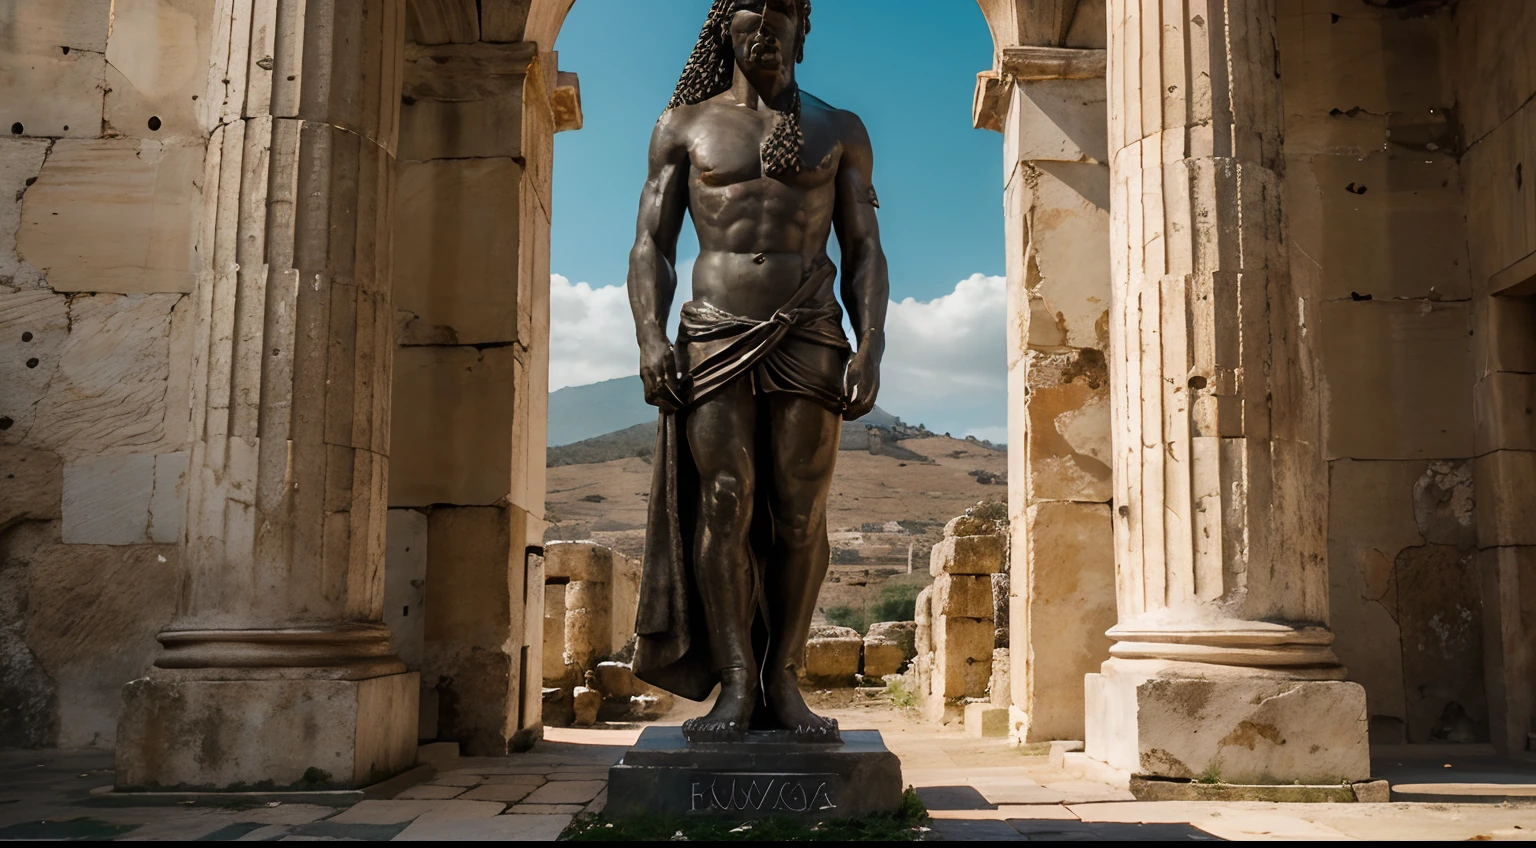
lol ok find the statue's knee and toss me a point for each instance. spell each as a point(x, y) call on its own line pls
point(727, 493)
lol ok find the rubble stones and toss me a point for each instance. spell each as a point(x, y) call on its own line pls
point(832, 656)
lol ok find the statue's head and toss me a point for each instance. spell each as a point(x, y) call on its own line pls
point(762, 32)
point(755, 35)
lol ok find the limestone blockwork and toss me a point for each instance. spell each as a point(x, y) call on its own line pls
point(273, 376)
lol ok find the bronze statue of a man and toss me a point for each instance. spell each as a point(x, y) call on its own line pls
point(753, 394)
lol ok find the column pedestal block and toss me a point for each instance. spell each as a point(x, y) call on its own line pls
point(181, 730)
point(1246, 726)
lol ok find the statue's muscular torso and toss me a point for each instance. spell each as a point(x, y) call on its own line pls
point(758, 234)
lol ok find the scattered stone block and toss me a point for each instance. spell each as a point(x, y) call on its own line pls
point(986, 720)
point(832, 656)
point(964, 595)
point(962, 656)
point(584, 705)
point(971, 525)
point(1059, 752)
point(888, 646)
point(1001, 689)
point(651, 706)
point(969, 555)
point(558, 708)
point(881, 659)
point(616, 680)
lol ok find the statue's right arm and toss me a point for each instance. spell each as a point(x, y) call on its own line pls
point(652, 261)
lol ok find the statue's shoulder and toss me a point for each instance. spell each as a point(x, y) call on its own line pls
point(848, 127)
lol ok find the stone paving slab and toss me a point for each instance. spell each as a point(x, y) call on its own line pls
point(505, 793)
point(535, 828)
point(544, 809)
point(567, 792)
point(431, 792)
point(385, 812)
point(976, 790)
point(529, 780)
point(462, 811)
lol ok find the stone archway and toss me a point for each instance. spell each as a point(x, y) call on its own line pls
point(332, 116)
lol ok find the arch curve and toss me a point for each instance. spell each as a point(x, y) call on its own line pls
point(497, 21)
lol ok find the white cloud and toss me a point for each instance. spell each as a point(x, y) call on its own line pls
point(592, 331)
point(944, 362)
point(591, 334)
point(945, 359)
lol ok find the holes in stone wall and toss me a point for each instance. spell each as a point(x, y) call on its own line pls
point(27, 336)
point(32, 363)
point(154, 123)
point(1197, 382)
point(6, 422)
point(1352, 188)
point(65, 49)
point(17, 128)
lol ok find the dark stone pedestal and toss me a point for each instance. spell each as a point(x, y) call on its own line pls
point(758, 778)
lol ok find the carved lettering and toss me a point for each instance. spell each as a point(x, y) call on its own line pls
point(740, 793)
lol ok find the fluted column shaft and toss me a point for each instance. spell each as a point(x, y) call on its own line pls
point(1220, 488)
point(287, 489)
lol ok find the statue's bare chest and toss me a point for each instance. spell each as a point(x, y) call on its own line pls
point(726, 147)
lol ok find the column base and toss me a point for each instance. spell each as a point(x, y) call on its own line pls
point(179, 730)
point(1229, 724)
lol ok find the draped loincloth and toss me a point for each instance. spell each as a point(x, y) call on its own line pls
point(672, 638)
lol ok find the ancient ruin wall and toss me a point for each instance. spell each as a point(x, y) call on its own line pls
point(103, 127)
point(1377, 226)
point(1495, 59)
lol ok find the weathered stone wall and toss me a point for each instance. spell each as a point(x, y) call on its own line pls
point(471, 251)
point(1377, 226)
point(1046, 95)
point(1495, 59)
point(102, 141)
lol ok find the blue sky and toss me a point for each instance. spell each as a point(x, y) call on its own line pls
point(906, 69)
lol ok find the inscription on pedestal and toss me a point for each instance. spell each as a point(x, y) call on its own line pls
point(727, 792)
point(665, 775)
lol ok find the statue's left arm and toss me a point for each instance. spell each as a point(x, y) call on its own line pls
point(866, 284)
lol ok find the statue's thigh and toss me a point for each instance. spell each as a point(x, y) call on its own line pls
point(803, 441)
point(722, 435)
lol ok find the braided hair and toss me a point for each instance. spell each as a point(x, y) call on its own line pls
point(710, 70)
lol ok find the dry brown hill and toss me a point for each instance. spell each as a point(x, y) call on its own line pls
point(606, 501)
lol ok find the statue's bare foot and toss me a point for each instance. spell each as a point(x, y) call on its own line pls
point(728, 720)
point(783, 688)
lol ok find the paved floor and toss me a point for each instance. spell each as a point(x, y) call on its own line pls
point(975, 789)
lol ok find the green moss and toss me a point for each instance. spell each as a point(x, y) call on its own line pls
point(906, 825)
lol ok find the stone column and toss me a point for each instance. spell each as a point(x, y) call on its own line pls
point(471, 383)
point(1222, 665)
point(277, 667)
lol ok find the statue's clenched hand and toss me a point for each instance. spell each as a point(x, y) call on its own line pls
point(658, 371)
point(861, 384)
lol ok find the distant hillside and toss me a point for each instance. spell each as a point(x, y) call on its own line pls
point(639, 441)
point(583, 412)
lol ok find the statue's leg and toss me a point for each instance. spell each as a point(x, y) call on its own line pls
point(803, 439)
point(720, 435)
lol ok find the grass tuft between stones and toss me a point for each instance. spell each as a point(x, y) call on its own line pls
point(905, 825)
